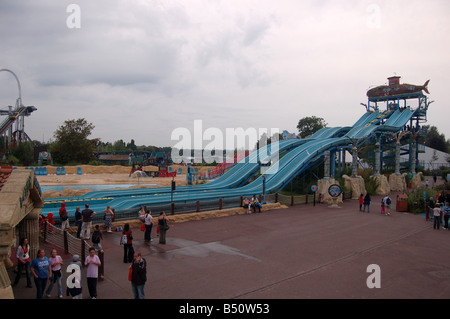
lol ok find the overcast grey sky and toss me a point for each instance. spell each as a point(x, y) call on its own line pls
point(140, 69)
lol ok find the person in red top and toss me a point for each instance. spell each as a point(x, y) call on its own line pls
point(128, 251)
point(64, 216)
point(361, 201)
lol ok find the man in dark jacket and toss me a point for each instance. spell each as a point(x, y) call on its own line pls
point(138, 276)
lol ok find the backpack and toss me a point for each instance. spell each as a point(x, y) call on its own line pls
point(63, 216)
point(388, 201)
point(95, 237)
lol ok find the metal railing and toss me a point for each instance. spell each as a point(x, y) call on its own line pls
point(195, 206)
point(74, 246)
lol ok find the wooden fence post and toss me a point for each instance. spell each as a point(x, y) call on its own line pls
point(66, 242)
point(101, 269)
point(45, 231)
point(83, 251)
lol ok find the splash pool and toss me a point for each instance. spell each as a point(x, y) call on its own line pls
point(94, 187)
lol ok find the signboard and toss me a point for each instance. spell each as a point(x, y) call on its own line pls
point(334, 190)
point(314, 188)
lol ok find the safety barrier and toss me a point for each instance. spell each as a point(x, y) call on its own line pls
point(200, 206)
point(74, 246)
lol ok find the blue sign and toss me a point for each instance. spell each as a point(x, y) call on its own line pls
point(314, 188)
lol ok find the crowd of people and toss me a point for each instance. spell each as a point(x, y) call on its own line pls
point(385, 205)
point(47, 270)
point(439, 211)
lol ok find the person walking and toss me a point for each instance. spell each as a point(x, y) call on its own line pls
point(108, 219)
point(163, 227)
point(97, 237)
point(387, 204)
point(23, 261)
point(87, 215)
point(361, 201)
point(78, 221)
point(55, 262)
point(366, 203)
point(41, 271)
point(127, 241)
point(138, 276)
point(92, 263)
point(64, 216)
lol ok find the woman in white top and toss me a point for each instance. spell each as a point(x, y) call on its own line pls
point(23, 260)
point(148, 222)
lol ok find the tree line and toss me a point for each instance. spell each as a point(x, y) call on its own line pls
point(72, 143)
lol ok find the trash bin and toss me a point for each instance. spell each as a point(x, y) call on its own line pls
point(402, 203)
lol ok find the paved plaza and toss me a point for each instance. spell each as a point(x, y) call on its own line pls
point(300, 252)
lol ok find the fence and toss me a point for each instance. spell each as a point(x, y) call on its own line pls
point(194, 206)
point(71, 245)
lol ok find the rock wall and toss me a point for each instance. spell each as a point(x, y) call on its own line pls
point(356, 184)
point(384, 185)
point(416, 181)
point(397, 182)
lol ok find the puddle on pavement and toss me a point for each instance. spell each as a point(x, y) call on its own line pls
point(195, 249)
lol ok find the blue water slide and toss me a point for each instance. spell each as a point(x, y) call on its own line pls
point(297, 156)
point(241, 171)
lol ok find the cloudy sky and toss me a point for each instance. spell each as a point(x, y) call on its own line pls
point(140, 69)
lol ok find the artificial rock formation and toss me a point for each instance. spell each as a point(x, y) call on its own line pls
point(384, 186)
point(322, 188)
point(356, 184)
point(397, 182)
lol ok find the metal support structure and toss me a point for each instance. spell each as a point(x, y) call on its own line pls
point(327, 166)
point(13, 127)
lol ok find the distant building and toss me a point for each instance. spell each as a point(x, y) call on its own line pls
point(118, 159)
point(430, 158)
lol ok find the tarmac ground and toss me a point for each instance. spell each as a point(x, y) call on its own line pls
point(301, 252)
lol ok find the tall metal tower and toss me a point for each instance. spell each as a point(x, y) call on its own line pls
point(12, 128)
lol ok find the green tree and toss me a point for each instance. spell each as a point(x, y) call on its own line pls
point(436, 140)
point(72, 143)
point(309, 125)
point(24, 152)
point(131, 146)
point(119, 145)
